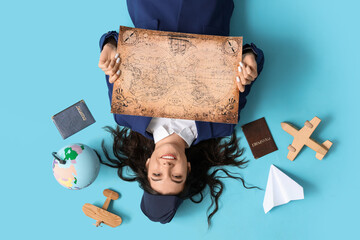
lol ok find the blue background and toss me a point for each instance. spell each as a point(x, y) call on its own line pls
point(49, 56)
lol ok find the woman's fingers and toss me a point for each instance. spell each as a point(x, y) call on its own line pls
point(101, 63)
point(103, 59)
point(246, 72)
point(108, 57)
point(115, 71)
point(239, 84)
point(244, 81)
point(251, 72)
point(113, 66)
point(110, 67)
point(117, 65)
point(114, 61)
point(114, 77)
point(105, 64)
point(250, 66)
point(241, 79)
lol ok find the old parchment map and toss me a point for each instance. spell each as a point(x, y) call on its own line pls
point(177, 75)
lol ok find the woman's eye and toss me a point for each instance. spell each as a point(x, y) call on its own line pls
point(156, 174)
point(177, 176)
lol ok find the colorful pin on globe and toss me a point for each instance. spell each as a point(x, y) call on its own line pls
point(76, 166)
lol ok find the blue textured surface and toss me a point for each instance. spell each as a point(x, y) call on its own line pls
point(49, 55)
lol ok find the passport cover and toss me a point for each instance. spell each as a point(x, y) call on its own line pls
point(73, 119)
point(259, 137)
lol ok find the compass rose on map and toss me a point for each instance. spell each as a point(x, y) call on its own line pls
point(231, 46)
point(129, 37)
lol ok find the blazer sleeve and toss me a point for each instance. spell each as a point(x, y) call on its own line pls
point(106, 36)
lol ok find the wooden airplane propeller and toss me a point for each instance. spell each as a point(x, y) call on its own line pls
point(302, 137)
point(101, 215)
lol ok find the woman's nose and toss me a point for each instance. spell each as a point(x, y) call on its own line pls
point(167, 163)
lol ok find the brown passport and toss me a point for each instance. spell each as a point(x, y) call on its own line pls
point(259, 137)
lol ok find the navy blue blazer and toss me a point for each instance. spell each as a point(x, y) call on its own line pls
point(188, 16)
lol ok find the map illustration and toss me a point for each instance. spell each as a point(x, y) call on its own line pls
point(177, 75)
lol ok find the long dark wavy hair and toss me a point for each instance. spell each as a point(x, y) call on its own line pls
point(207, 158)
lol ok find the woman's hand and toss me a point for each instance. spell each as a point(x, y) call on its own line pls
point(247, 71)
point(110, 61)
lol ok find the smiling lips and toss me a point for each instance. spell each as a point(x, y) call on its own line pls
point(168, 157)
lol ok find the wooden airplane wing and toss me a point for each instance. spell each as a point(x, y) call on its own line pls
point(102, 215)
point(297, 146)
point(309, 127)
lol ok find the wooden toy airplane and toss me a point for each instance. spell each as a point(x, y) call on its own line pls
point(302, 137)
point(101, 215)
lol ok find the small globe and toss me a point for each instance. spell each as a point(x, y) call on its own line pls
point(78, 166)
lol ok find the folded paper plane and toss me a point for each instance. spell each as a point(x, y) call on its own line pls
point(280, 189)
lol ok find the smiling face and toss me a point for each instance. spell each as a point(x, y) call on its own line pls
point(167, 169)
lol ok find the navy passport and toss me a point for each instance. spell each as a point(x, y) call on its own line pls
point(73, 119)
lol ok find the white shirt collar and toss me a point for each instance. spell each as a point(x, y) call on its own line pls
point(163, 127)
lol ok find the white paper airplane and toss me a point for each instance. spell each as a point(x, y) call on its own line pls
point(280, 189)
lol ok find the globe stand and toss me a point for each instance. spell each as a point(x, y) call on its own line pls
point(58, 158)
